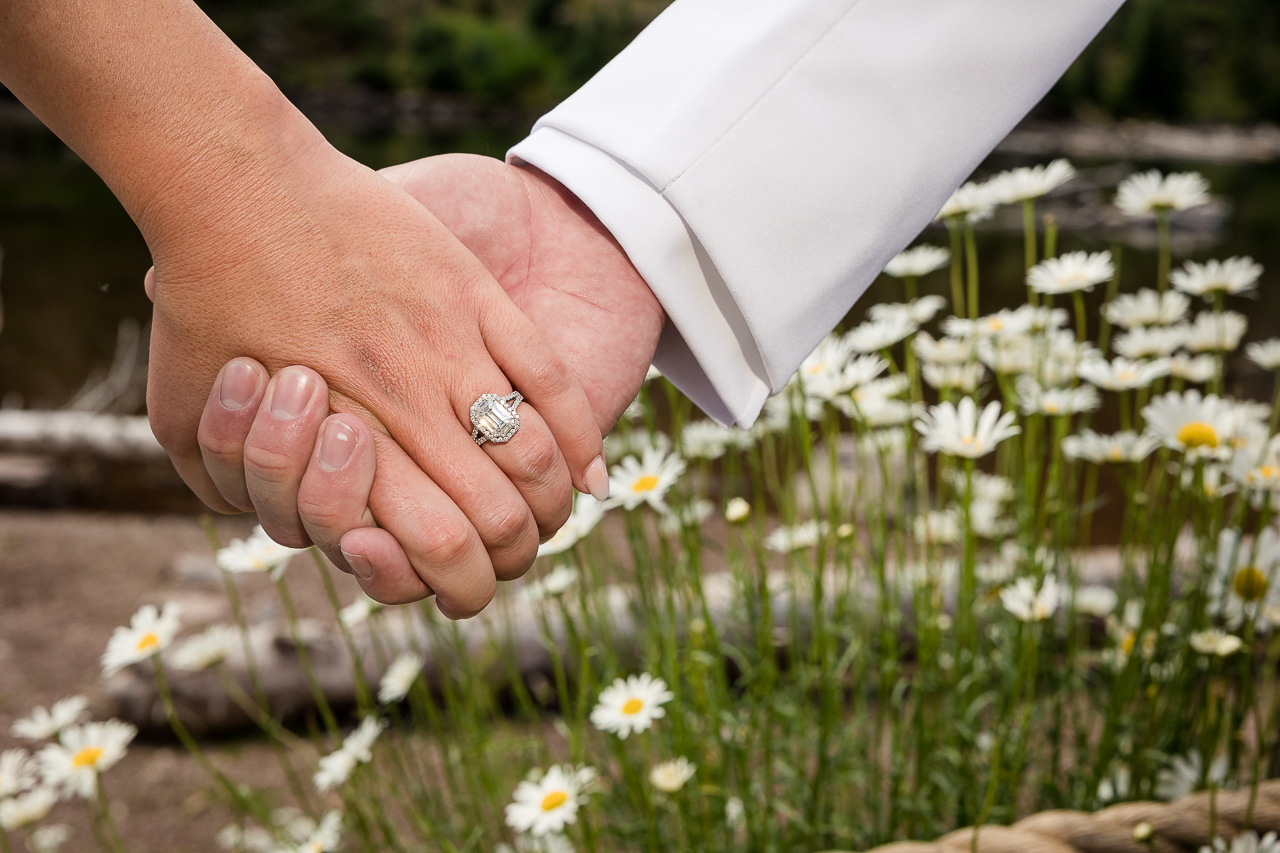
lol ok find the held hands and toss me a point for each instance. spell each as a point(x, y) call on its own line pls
point(267, 443)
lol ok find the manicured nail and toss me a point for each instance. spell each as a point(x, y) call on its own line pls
point(359, 564)
point(239, 384)
point(336, 445)
point(597, 479)
point(293, 391)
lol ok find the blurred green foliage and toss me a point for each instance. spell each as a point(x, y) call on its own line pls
point(1181, 61)
point(1178, 60)
point(523, 53)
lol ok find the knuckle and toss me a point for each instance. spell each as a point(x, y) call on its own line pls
point(285, 535)
point(269, 466)
point(214, 442)
point(553, 377)
point(540, 461)
point(321, 514)
point(445, 544)
point(506, 527)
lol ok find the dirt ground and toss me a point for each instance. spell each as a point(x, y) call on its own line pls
point(66, 580)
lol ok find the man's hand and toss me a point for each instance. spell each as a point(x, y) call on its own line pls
point(552, 257)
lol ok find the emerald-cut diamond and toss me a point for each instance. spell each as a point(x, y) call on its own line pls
point(495, 418)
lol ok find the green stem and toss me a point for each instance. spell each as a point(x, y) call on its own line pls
point(971, 267)
point(304, 659)
point(957, 274)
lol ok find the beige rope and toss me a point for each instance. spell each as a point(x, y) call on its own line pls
point(1181, 826)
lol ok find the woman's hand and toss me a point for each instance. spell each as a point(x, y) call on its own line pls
point(549, 253)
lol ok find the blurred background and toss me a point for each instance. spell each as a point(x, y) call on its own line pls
point(1171, 84)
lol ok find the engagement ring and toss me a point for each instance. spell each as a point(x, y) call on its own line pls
point(495, 418)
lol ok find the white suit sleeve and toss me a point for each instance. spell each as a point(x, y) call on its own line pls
point(761, 160)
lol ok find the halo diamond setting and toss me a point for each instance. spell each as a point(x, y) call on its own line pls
point(494, 418)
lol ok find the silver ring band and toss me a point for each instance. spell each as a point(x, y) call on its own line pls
point(494, 418)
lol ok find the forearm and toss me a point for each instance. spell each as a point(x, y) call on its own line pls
point(180, 124)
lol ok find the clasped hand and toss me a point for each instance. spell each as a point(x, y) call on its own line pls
point(344, 419)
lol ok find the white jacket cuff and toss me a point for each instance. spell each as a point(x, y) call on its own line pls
point(706, 350)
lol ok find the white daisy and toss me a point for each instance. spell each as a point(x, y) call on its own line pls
point(360, 742)
point(42, 724)
point(1027, 603)
point(690, 515)
point(961, 377)
point(1216, 332)
point(325, 837)
point(1071, 272)
point(972, 202)
point(988, 521)
point(1010, 356)
point(790, 538)
point(1193, 368)
point(399, 677)
point(919, 311)
point(587, 512)
point(737, 509)
point(937, 527)
point(250, 839)
point(631, 705)
point(206, 648)
point(1124, 446)
point(958, 430)
point(1190, 422)
point(49, 839)
point(335, 768)
point(555, 582)
point(1265, 354)
point(822, 371)
point(1246, 842)
point(258, 553)
point(1056, 402)
point(1147, 192)
point(1243, 582)
point(1096, 601)
point(1185, 774)
point(359, 610)
point(552, 842)
point(1151, 342)
point(549, 803)
point(26, 809)
point(1215, 642)
point(1234, 275)
point(735, 813)
point(1123, 374)
point(917, 261)
point(150, 631)
point(876, 335)
point(709, 440)
point(17, 772)
point(671, 776)
point(1147, 308)
point(1030, 182)
point(82, 753)
point(1003, 323)
point(948, 351)
point(645, 480)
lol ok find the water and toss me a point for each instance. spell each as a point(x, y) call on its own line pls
point(74, 262)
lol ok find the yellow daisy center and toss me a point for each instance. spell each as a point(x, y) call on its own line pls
point(815, 369)
point(148, 641)
point(1129, 640)
point(995, 325)
point(968, 441)
point(1052, 408)
point(1267, 472)
point(632, 706)
point(1198, 434)
point(87, 757)
point(645, 483)
point(554, 800)
point(1250, 584)
point(1127, 376)
point(1115, 453)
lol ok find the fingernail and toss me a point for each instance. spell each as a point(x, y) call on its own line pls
point(597, 479)
point(239, 383)
point(359, 564)
point(293, 392)
point(336, 445)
